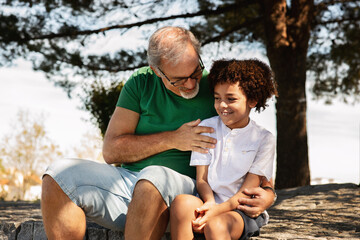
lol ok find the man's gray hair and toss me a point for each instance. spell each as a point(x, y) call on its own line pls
point(169, 43)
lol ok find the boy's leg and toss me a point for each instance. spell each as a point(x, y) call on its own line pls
point(229, 225)
point(182, 212)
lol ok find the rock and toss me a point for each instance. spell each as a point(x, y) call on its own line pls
point(330, 211)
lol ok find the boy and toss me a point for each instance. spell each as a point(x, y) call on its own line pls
point(243, 155)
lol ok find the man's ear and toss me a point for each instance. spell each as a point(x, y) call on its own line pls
point(155, 71)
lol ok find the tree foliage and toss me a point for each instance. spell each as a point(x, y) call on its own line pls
point(334, 56)
point(90, 147)
point(56, 35)
point(101, 101)
point(27, 146)
point(86, 42)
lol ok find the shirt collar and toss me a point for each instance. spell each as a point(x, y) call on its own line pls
point(227, 130)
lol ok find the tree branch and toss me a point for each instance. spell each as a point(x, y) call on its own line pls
point(112, 69)
point(324, 5)
point(219, 10)
point(338, 21)
point(231, 30)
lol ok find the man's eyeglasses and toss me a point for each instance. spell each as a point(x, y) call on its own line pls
point(194, 75)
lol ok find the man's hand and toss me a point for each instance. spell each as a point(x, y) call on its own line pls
point(260, 201)
point(188, 137)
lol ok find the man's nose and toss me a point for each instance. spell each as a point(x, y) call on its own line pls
point(190, 83)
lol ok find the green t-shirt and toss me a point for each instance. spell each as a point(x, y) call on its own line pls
point(161, 110)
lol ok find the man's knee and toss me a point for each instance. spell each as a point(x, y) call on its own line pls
point(145, 195)
point(145, 189)
point(48, 186)
point(61, 217)
point(50, 189)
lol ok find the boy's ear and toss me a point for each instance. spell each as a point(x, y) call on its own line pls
point(252, 103)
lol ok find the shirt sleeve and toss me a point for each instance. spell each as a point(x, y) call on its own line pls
point(264, 159)
point(197, 158)
point(129, 97)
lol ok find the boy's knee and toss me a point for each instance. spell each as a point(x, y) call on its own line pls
point(180, 203)
point(181, 207)
point(215, 227)
point(185, 201)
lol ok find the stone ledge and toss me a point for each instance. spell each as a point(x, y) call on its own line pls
point(330, 211)
point(35, 230)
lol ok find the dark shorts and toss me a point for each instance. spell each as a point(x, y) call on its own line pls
point(251, 225)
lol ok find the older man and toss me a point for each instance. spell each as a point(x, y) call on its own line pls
point(151, 134)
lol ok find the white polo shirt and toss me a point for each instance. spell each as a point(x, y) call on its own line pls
point(237, 152)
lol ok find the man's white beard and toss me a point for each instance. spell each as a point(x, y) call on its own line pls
point(190, 95)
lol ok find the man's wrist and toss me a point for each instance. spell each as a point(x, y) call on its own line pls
point(271, 189)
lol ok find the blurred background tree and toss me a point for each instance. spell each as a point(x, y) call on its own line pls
point(90, 147)
point(26, 151)
point(27, 147)
point(302, 39)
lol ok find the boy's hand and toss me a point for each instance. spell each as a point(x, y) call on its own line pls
point(196, 227)
point(205, 207)
point(212, 211)
point(199, 214)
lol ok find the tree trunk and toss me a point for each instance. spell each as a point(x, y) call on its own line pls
point(287, 37)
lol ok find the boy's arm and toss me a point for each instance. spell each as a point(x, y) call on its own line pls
point(251, 180)
point(206, 195)
point(202, 184)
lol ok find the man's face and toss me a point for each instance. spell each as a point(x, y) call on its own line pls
point(183, 79)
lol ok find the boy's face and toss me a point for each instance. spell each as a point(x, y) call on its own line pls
point(232, 105)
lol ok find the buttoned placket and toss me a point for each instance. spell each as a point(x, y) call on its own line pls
point(227, 147)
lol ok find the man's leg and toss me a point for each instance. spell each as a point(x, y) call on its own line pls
point(99, 191)
point(62, 218)
point(148, 215)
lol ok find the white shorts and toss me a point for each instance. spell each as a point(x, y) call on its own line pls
point(104, 191)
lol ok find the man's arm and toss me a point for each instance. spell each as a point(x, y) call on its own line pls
point(263, 199)
point(121, 145)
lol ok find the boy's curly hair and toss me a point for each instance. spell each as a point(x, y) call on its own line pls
point(255, 78)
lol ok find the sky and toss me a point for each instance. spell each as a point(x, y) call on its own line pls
point(23, 89)
point(333, 130)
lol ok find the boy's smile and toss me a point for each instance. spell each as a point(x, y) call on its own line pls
point(232, 105)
